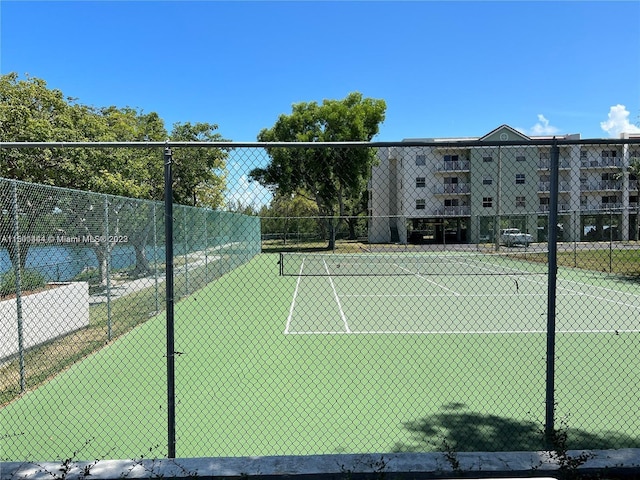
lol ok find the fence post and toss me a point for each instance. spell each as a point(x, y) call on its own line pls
point(549, 428)
point(107, 264)
point(155, 258)
point(206, 248)
point(168, 228)
point(186, 251)
point(18, 271)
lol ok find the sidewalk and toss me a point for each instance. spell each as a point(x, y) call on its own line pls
point(120, 288)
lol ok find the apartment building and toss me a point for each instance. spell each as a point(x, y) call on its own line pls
point(446, 192)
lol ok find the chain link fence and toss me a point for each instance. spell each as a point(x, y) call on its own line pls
point(447, 296)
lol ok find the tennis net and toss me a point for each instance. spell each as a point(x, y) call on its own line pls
point(381, 264)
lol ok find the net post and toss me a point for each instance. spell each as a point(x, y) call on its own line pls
point(549, 427)
point(168, 228)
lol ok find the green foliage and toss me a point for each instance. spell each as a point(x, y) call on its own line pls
point(31, 111)
point(29, 280)
point(334, 178)
point(199, 173)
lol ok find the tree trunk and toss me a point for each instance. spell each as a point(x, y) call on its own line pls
point(352, 222)
point(331, 230)
point(142, 267)
point(103, 266)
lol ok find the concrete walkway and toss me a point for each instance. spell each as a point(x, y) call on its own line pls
point(120, 288)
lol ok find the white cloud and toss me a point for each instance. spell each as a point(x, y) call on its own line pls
point(248, 193)
point(618, 122)
point(543, 127)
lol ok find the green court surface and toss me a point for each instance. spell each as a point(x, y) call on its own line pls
point(331, 362)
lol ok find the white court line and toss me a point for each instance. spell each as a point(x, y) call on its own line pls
point(461, 332)
point(568, 291)
point(447, 295)
point(428, 280)
point(335, 294)
point(293, 301)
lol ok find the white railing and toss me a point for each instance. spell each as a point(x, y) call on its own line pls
point(562, 207)
point(460, 210)
point(601, 206)
point(455, 166)
point(545, 164)
point(602, 162)
point(602, 185)
point(453, 188)
point(546, 186)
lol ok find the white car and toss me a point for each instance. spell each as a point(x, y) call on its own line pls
point(513, 236)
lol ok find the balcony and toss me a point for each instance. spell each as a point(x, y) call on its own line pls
point(633, 185)
point(600, 185)
point(546, 187)
point(545, 164)
point(606, 207)
point(562, 207)
point(455, 166)
point(457, 211)
point(452, 189)
point(602, 162)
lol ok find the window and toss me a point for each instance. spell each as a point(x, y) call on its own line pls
point(583, 154)
point(520, 202)
point(609, 153)
point(487, 181)
point(421, 204)
point(451, 202)
point(451, 158)
point(519, 178)
point(487, 201)
point(487, 159)
point(420, 182)
point(421, 159)
point(544, 155)
point(520, 158)
point(544, 201)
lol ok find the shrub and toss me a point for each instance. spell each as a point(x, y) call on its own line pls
point(29, 280)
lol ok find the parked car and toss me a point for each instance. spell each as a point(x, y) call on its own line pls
point(513, 236)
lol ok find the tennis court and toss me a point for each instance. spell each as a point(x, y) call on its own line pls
point(444, 293)
point(293, 358)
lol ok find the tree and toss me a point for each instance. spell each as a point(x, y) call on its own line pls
point(30, 111)
point(199, 173)
point(334, 178)
point(290, 215)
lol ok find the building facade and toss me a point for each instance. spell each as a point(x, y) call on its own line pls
point(446, 193)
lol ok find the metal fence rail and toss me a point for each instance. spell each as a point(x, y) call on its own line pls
point(467, 296)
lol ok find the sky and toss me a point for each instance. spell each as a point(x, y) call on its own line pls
point(448, 69)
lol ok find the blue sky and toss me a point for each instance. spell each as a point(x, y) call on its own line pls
point(445, 69)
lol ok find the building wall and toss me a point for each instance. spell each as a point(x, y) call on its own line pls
point(458, 183)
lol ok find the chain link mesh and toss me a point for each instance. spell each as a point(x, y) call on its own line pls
point(409, 314)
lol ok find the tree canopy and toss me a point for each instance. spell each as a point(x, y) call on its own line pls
point(32, 112)
point(334, 178)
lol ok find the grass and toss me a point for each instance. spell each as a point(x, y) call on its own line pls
point(244, 388)
point(622, 262)
point(47, 360)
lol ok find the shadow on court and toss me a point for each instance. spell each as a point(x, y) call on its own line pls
point(462, 430)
